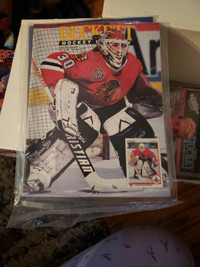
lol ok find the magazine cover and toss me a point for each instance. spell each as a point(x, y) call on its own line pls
point(185, 109)
point(95, 115)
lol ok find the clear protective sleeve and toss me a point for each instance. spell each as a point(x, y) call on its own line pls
point(53, 208)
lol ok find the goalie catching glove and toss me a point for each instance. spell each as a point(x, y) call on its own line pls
point(146, 99)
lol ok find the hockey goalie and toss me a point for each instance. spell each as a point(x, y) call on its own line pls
point(143, 160)
point(94, 92)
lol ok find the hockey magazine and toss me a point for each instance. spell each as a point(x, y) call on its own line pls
point(95, 123)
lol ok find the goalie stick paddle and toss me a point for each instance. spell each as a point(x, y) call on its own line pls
point(137, 172)
point(94, 181)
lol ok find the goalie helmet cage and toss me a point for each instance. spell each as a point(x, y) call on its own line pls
point(61, 211)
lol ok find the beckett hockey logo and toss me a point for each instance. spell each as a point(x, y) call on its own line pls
point(82, 34)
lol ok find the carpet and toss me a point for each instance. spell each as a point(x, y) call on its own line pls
point(47, 246)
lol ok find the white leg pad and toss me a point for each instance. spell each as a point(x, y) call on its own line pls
point(44, 168)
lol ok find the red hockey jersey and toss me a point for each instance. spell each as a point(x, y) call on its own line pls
point(144, 155)
point(99, 83)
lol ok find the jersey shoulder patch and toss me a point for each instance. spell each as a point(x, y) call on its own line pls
point(80, 57)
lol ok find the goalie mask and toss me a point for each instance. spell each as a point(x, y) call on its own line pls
point(113, 46)
point(141, 147)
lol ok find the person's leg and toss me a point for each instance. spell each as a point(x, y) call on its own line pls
point(138, 246)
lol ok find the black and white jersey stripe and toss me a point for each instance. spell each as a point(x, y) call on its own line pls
point(52, 64)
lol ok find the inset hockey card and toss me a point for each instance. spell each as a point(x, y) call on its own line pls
point(143, 163)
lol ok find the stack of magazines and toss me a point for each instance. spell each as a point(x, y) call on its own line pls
point(95, 129)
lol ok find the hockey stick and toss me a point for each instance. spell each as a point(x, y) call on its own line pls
point(94, 181)
point(45, 87)
point(137, 172)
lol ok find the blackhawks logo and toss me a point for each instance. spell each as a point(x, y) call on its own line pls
point(156, 179)
point(108, 90)
point(81, 57)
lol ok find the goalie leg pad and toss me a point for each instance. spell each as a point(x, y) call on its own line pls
point(51, 154)
point(66, 100)
point(127, 123)
point(88, 124)
point(89, 116)
point(39, 180)
point(149, 169)
point(53, 159)
point(45, 159)
point(140, 165)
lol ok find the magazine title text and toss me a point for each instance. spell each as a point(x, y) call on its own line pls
point(85, 32)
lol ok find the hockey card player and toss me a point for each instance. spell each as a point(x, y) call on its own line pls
point(93, 93)
point(143, 159)
point(183, 127)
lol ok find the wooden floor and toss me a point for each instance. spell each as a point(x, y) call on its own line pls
point(182, 219)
